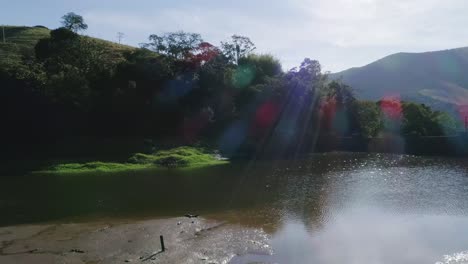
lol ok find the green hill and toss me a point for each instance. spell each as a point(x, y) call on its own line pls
point(20, 42)
point(435, 78)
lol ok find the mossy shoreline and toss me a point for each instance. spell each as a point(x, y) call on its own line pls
point(176, 158)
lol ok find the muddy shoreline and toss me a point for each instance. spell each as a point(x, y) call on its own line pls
point(187, 240)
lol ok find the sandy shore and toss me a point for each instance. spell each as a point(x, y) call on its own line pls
point(187, 240)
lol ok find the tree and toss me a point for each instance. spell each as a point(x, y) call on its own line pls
point(369, 118)
point(341, 93)
point(420, 120)
point(238, 47)
point(60, 39)
point(307, 77)
point(447, 124)
point(392, 113)
point(264, 66)
point(417, 120)
point(74, 22)
point(205, 52)
point(298, 106)
point(339, 102)
point(178, 45)
point(69, 87)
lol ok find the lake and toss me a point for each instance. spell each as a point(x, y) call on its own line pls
point(323, 208)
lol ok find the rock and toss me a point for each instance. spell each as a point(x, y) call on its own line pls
point(77, 251)
point(191, 215)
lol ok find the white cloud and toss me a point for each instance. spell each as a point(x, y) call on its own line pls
point(340, 33)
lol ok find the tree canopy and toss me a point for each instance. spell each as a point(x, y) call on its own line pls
point(178, 45)
point(74, 22)
point(237, 47)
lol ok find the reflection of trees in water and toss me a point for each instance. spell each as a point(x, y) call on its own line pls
point(272, 193)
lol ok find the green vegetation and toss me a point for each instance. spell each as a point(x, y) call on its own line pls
point(180, 88)
point(181, 157)
point(93, 166)
point(20, 42)
point(421, 120)
point(369, 118)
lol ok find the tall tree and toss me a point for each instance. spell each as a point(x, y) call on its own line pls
point(237, 47)
point(341, 93)
point(340, 102)
point(369, 118)
point(74, 22)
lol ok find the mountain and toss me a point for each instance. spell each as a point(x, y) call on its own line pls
point(21, 40)
point(438, 78)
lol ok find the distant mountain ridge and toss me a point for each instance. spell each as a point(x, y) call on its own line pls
point(437, 78)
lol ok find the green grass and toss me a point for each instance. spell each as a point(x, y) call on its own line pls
point(20, 41)
point(94, 166)
point(180, 158)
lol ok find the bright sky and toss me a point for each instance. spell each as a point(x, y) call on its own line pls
point(339, 33)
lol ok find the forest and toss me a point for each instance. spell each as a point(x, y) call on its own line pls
point(178, 88)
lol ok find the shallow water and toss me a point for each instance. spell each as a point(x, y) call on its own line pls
point(325, 208)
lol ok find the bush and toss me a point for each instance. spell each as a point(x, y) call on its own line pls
point(177, 157)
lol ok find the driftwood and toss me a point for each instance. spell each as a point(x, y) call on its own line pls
point(163, 248)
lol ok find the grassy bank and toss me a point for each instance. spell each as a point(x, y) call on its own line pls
point(177, 158)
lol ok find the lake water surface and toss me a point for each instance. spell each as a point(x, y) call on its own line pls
point(325, 208)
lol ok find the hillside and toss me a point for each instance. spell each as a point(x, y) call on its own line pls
point(20, 42)
point(437, 78)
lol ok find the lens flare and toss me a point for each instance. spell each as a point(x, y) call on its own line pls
point(265, 117)
point(243, 76)
point(233, 138)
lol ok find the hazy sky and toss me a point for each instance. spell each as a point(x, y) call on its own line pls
point(339, 33)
